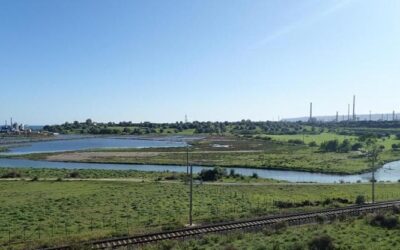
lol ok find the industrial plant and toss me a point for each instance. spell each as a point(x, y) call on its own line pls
point(350, 117)
point(14, 128)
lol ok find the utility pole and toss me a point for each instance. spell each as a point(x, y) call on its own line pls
point(187, 159)
point(191, 197)
point(373, 180)
point(373, 154)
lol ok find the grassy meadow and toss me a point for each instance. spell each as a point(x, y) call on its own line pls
point(59, 211)
point(347, 234)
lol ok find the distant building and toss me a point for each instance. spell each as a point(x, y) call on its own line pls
point(15, 128)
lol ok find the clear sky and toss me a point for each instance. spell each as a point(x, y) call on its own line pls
point(210, 59)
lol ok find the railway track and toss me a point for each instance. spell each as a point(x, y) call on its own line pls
point(252, 224)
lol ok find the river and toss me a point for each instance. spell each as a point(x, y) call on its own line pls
point(389, 172)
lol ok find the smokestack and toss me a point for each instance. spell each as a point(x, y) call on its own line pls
point(310, 111)
point(337, 116)
point(348, 112)
point(354, 107)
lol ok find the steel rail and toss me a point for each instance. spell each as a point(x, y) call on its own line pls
point(290, 219)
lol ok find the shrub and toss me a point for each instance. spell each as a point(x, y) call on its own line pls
point(297, 246)
point(313, 144)
point(35, 178)
point(381, 220)
point(360, 199)
point(396, 209)
point(74, 174)
point(171, 177)
point(255, 176)
point(295, 141)
point(321, 219)
point(330, 146)
point(345, 146)
point(11, 174)
point(356, 146)
point(212, 174)
point(322, 242)
point(167, 245)
point(280, 226)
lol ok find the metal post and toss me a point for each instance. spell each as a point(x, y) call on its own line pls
point(191, 197)
point(187, 159)
point(373, 181)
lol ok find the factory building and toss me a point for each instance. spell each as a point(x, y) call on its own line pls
point(14, 128)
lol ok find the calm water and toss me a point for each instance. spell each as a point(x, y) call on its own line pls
point(92, 143)
point(389, 172)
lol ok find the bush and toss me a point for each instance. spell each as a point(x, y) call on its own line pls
point(360, 199)
point(212, 174)
point(172, 177)
point(280, 226)
point(345, 146)
point(74, 174)
point(330, 146)
point(322, 242)
point(396, 209)
point(321, 219)
point(356, 146)
point(295, 141)
point(12, 174)
point(255, 176)
point(35, 178)
point(381, 220)
point(313, 144)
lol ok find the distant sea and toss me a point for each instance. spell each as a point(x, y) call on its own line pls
point(36, 127)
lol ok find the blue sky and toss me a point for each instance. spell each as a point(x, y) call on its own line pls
point(212, 60)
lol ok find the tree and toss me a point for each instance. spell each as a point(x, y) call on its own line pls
point(345, 146)
point(360, 199)
point(89, 121)
point(356, 146)
point(127, 130)
point(330, 146)
point(212, 174)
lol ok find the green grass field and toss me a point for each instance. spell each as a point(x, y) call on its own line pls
point(54, 211)
point(307, 138)
point(348, 234)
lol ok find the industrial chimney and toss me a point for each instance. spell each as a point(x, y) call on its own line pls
point(354, 107)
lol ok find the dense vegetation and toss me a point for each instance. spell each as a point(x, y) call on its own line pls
point(243, 127)
point(52, 173)
point(196, 127)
